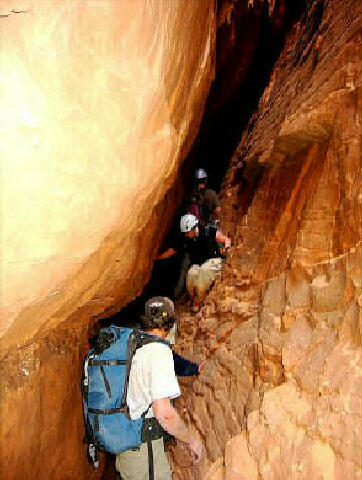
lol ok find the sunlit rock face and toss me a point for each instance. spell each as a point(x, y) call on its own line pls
point(101, 101)
point(280, 397)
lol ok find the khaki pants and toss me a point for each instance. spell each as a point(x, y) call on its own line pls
point(200, 278)
point(133, 464)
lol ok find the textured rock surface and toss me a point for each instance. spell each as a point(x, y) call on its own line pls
point(280, 396)
point(101, 100)
point(100, 103)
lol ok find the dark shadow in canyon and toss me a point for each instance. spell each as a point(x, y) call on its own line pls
point(246, 50)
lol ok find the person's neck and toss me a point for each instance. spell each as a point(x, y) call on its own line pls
point(158, 332)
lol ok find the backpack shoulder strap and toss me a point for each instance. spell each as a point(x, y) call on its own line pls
point(143, 338)
point(137, 339)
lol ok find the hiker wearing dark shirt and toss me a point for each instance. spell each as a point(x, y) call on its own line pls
point(196, 247)
point(203, 202)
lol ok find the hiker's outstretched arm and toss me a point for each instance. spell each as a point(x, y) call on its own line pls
point(171, 421)
point(184, 367)
point(166, 254)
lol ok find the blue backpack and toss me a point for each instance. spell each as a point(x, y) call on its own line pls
point(104, 387)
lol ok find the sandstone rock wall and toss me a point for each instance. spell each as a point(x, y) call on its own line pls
point(101, 101)
point(280, 397)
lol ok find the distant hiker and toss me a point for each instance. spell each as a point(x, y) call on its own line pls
point(152, 385)
point(201, 257)
point(203, 202)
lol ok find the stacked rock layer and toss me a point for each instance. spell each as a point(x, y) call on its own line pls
point(280, 396)
point(101, 100)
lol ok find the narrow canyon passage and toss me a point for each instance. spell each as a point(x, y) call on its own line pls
point(107, 109)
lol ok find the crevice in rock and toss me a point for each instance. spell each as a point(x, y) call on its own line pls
point(11, 12)
point(249, 40)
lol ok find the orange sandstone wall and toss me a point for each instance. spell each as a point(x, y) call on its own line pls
point(101, 101)
point(280, 397)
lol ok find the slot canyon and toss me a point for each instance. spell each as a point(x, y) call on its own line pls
point(107, 107)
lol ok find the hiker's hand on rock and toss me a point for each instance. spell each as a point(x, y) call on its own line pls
point(197, 448)
point(201, 366)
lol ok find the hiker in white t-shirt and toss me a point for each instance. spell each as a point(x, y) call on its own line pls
point(152, 384)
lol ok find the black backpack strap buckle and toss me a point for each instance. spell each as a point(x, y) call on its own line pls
point(93, 454)
point(152, 430)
